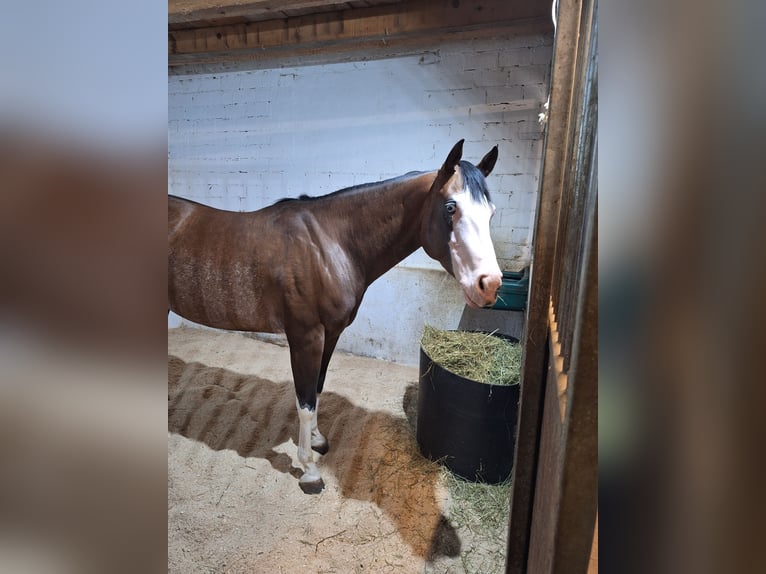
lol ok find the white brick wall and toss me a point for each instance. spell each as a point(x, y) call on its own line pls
point(243, 140)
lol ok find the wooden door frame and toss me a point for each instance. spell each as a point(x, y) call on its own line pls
point(572, 521)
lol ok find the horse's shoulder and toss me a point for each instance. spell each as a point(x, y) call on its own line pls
point(296, 220)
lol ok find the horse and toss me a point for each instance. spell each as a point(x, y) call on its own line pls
point(301, 266)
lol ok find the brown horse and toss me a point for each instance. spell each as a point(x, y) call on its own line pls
point(302, 266)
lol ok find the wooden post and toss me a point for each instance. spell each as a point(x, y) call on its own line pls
point(554, 481)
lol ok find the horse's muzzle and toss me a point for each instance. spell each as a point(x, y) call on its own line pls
point(488, 285)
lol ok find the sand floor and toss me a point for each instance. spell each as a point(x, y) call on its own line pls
point(234, 504)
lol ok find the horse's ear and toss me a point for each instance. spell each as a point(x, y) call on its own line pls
point(487, 163)
point(453, 157)
point(447, 170)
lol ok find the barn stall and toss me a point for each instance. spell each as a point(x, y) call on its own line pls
point(271, 100)
point(392, 95)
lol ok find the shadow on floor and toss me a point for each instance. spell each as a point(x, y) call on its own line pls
point(373, 454)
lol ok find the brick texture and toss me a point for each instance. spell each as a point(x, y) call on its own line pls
point(243, 140)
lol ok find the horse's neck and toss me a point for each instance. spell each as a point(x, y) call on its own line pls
point(385, 227)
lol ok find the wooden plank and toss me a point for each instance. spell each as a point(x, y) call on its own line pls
point(579, 481)
point(582, 133)
point(202, 13)
point(535, 360)
point(190, 11)
point(205, 15)
point(350, 52)
point(579, 467)
point(565, 502)
point(380, 25)
point(565, 496)
point(593, 563)
point(389, 21)
point(547, 494)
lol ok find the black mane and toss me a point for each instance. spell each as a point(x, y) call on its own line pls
point(303, 197)
point(474, 180)
point(353, 188)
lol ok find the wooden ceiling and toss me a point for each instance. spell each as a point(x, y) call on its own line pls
point(204, 13)
point(205, 35)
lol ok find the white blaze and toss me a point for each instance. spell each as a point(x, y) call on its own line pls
point(473, 255)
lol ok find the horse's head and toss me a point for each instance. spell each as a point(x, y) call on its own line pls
point(455, 226)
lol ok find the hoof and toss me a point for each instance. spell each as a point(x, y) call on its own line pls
point(313, 487)
point(321, 448)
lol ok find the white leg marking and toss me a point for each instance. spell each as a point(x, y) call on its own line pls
point(305, 454)
point(317, 439)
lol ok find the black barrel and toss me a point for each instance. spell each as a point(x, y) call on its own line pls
point(466, 425)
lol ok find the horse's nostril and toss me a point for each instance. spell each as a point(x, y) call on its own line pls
point(488, 285)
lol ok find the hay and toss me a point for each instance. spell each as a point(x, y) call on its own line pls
point(483, 508)
point(477, 356)
point(480, 514)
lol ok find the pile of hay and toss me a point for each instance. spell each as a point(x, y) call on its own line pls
point(480, 514)
point(477, 356)
point(481, 507)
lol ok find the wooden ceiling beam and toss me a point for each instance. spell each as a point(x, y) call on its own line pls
point(351, 29)
point(206, 13)
point(181, 11)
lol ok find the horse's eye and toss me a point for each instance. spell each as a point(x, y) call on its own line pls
point(451, 207)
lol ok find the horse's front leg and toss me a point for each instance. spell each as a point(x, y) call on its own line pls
point(318, 441)
point(306, 360)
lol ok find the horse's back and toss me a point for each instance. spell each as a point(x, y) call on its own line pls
point(180, 211)
point(244, 271)
point(192, 225)
point(217, 275)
